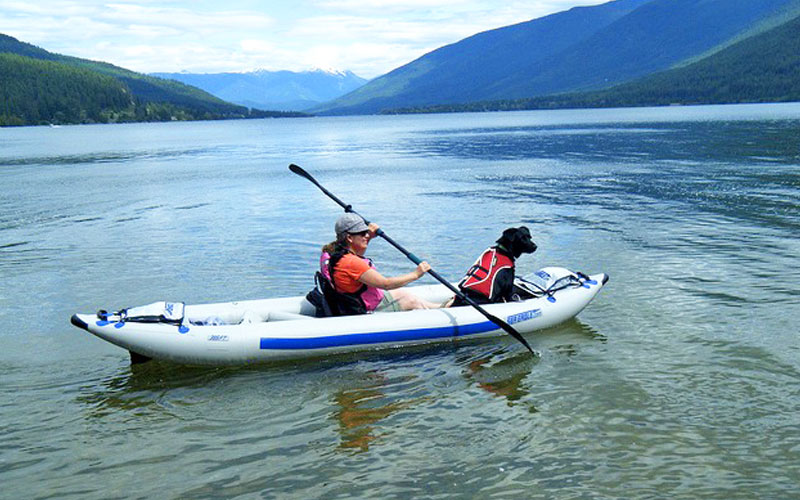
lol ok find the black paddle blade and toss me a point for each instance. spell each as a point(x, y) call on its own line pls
point(297, 169)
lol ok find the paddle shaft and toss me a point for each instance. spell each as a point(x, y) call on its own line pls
point(416, 260)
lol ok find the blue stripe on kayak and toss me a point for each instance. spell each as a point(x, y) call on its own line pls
point(377, 337)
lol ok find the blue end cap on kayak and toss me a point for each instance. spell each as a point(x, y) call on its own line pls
point(551, 299)
point(119, 325)
point(183, 329)
point(103, 322)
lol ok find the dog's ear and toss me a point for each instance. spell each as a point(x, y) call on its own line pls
point(508, 237)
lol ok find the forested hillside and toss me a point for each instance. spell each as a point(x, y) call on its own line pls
point(37, 91)
point(39, 87)
point(763, 68)
point(585, 48)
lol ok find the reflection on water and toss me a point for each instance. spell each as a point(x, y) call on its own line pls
point(503, 374)
point(567, 337)
point(504, 378)
point(679, 380)
point(360, 410)
point(146, 386)
point(360, 392)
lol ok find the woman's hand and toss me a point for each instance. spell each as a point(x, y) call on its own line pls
point(373, 229)
point(422, 268)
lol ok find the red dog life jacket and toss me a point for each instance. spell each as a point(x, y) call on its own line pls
point(481, 276)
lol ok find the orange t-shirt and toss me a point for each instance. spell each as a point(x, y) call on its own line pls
point(349, 268)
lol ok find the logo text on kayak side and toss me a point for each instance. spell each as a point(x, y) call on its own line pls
point(524, 316)
point(218, 338)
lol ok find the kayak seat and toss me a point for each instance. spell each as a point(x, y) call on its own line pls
point(323, 297)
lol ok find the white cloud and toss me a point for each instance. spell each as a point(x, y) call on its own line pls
point(186, 19)
point(257, 46)
point(370, 37)
point(388, 5)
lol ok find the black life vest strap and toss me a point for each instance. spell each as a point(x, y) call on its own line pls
point(345, 303)
point(473, 271)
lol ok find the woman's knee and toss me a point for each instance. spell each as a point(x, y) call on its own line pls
point(408, 301)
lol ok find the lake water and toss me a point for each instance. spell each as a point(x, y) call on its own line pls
point(681, 380)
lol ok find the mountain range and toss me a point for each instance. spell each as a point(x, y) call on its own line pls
point(621, 53)
point(582, 49)
point(275, 90)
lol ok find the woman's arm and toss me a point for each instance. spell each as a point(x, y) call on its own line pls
point(372, 277)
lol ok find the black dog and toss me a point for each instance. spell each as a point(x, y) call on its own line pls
point(491, 278)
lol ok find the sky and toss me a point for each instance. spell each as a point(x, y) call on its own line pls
point(368, 37)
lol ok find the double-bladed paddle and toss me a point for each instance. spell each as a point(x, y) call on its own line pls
point(416, 260)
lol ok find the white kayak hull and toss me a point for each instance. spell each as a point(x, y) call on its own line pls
point(285, 328)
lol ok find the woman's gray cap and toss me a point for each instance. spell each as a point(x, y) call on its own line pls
point(350, 223)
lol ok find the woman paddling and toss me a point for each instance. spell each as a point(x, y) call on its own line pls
point(359, 287)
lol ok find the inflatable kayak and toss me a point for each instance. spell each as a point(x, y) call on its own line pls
point(287, 328)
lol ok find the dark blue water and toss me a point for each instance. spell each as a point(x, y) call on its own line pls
point(680, 380)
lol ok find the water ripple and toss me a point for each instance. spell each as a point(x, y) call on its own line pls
point(678, 381)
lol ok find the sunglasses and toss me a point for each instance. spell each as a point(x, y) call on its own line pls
point(362, 233)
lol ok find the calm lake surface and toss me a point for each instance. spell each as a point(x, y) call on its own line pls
point(681, 380)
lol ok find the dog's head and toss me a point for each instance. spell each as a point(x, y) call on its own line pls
point(517, 240)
